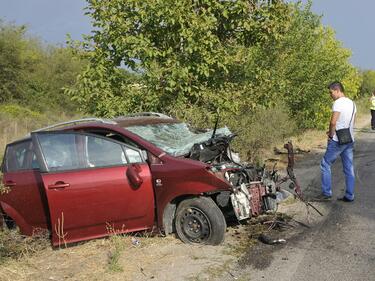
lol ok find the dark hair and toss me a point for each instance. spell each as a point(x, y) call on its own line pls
point(336, 86)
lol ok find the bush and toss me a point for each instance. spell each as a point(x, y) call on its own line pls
point(260, 130)
point(368, 83)
point(19, 112)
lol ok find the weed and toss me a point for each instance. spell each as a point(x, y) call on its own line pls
point(117, 247)
point(59, 230)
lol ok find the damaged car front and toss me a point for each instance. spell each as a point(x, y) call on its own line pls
point(250, 190)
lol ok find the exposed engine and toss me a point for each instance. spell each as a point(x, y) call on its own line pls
point(254, 188)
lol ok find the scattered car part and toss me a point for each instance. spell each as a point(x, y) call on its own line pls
point(269, 241)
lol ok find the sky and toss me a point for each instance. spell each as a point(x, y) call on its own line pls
point(51, 20)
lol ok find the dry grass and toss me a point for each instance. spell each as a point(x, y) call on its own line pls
point(15, 246)
point(16, 122)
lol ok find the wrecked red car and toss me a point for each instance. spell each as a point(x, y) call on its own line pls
point(146, 171)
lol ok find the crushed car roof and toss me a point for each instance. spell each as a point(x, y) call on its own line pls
point(144, 118)
point(135, 119)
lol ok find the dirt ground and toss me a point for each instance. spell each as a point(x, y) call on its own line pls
point(159, 258)
point(143, 257)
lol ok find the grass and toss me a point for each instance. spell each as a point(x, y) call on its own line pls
point(116, 248)
point(14, 246)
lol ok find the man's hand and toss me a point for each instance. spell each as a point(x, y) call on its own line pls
point(329, 135)
point(332, 124)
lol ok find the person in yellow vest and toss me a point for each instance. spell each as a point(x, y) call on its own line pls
point(372, 100)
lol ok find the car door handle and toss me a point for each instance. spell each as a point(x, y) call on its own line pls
point(58, 185)
point(10, 183)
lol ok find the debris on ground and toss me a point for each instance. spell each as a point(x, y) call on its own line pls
point(296, 151)
point(135, 241)
point(270, 241)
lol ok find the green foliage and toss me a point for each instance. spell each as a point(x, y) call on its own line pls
point(262, 129)
point(304, 62)
point(16, 111)
point(207, 55)
point(11, 61)
point(33, 74)
point(117, 247)
point(186, 52)
point(368, 83)
point(363, 106)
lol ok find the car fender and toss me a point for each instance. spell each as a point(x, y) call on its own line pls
point(25, 228)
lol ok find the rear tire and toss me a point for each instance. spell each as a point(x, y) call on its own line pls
point(200, 221)
point(7, 222)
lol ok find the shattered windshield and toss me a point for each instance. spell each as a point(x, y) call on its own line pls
point(176, 139)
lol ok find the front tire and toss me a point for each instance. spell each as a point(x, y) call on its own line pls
point(200, 221)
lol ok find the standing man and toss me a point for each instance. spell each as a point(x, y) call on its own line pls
point(372, 100)
point(343, 114)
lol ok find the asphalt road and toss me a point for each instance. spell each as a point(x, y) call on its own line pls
point(342, 246)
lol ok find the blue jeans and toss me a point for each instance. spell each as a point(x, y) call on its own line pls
point(333, 151)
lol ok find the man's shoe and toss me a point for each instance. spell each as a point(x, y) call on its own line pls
point(322, 197)
point(344, 199)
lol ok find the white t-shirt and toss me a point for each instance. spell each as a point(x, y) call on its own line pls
point(345, 106)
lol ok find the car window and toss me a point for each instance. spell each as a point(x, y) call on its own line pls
point(101, 152)
point(133, 152)
point(69, 151)
point(17, 156)
point(59, 151)
point(34, 162)
point(134, 156)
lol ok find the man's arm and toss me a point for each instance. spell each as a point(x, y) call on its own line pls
point(332, 124)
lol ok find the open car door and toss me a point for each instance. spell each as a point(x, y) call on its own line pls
point(95, 186)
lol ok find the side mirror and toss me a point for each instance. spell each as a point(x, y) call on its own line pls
point(133, 176)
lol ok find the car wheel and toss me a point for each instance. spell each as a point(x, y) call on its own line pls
point(8, 222)
point(199, 220)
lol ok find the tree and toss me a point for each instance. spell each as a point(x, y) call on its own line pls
point(193, 57)
point(305, 61)
point(368, 83)
point(33, 74)
point(188, 53)
point(11, 61)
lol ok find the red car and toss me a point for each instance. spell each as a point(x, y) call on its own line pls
point(83, 178)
